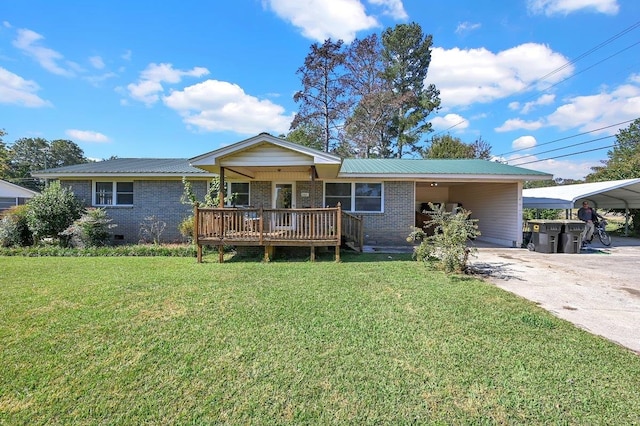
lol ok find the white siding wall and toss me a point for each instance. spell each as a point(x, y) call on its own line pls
point(498, 208)
point(266, 155)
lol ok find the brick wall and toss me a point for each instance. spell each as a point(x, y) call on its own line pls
point(392, 227)
point(159, 198)
point(314, 199)
point(162, 199)
point(260, 194)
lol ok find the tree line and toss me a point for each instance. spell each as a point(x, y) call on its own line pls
point(369, 99)
point(26, 155)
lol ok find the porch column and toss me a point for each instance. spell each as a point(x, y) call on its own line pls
point(313, 187)
point(221, 190)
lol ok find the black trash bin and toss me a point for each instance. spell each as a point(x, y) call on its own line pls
point(544, 235)
point(569, 241)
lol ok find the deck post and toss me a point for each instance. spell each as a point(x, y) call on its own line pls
point(221, 253)
point(312, 257)
point(261, 224)
point(338, 231)
point(196, 232)
point(268, 253)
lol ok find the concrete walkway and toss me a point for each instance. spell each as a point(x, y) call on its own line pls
point(598, 290)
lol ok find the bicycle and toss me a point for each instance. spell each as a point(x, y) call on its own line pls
point(599, 229)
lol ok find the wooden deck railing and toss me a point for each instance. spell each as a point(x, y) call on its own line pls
point(268, 228)
point(352, 231)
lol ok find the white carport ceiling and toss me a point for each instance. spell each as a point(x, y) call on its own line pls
point(613, 194)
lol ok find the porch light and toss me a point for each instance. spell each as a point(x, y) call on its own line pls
point(434, 183)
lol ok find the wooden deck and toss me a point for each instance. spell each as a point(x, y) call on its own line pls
point(274, 227)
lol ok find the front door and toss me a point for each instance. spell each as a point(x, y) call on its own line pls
point(283, 198)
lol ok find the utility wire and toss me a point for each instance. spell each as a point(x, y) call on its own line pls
point(591, 66)
point(585, 54)
point(566, 155)
point(561, 148)
point(571, 62)
point(569, 137)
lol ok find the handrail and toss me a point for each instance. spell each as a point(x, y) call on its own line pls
point(352, 230)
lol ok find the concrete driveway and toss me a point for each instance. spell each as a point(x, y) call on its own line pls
point(597, 290)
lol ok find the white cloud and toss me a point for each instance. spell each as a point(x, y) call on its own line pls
point(518, 124)
point(393, 8)
point(467, 76)
point(592, 112)
point(16, 90)
point(450, 121)
point(96, 80)
point(149, 86)
point(541, 101)
point(86, 135)
point(127, 55)
point(29, 42)
point(323, 19)
point(524, 142)
point(221, 106)
point(467, 27)
point(6, 24)
point(565, 7)
point(96, 62)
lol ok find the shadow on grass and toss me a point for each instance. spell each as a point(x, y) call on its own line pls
point(302, 255)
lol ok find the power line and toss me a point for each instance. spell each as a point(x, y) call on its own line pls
point(593, 65)
point(566, 155)
point(561, 148)
point(571, 62)
point(584, 55)
point(570, 137)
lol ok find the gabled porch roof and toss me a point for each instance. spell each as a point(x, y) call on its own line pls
point(266, 157)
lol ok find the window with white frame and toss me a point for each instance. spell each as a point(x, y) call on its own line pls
point(113, 193)
point(354, 196)
point(238, 194)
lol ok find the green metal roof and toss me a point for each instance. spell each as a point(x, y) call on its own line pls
point(161, 166)
point(386, 167)
point(432, 167)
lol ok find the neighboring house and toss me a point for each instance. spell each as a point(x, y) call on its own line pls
point(13, 195)
point(269, 172)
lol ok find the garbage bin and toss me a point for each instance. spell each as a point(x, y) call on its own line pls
point(544, 235)
point(569, 240)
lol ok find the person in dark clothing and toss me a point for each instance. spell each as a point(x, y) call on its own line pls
point(588, 216)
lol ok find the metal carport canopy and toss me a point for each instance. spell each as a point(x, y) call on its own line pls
point(613, 194)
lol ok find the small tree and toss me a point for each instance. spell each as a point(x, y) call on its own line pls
point(52, 211)
point(448, 244)
point(151, 229)
point(91, 230)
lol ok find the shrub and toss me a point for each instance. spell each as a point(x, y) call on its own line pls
point(52, 211)
point(151, 229)
point(91, 230)
point(14, 230)
point(547, 214)
point(448, 244)
point(115, 251)
point(186, 228)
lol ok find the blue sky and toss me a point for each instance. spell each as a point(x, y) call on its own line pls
point(178, 79)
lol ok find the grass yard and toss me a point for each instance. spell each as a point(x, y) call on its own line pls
point(371, 340)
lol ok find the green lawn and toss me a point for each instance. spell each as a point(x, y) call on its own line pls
point(371, 340)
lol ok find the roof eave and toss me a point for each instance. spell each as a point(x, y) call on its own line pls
point(121, 175)
point(453, 177)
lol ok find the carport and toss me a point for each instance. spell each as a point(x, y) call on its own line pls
point(614, 194)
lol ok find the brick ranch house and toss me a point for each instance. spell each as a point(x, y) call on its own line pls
point(266, 173)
